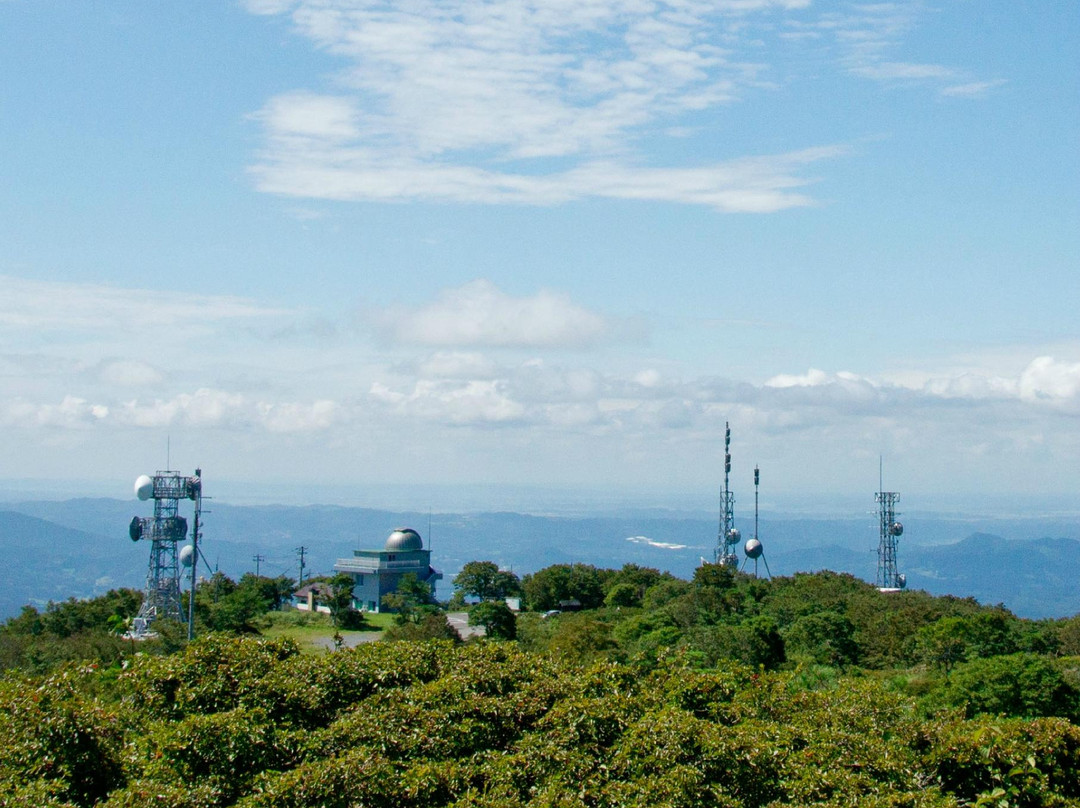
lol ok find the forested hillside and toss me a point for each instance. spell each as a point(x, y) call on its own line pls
point(251, 723)
point(625, 687)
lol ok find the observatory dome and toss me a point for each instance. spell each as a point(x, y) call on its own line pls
point(404, 539)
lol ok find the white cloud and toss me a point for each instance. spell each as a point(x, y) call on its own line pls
point(562, 420)
point(130, 373)
point(766, 184)
point(292, 417)
point(459, 100)
point(1048, 380)
point(972, 386)
point(870, 35)
point(811, 378)
point(457, 365)
point(321, 118)
point(479, 314)
point(469, 403)
point(663, 545)
point(975, 89)
point(72, 412)
point(203, 408)
point(544, 103)
point(904, 71)
point(28, 305)
point(268, 7)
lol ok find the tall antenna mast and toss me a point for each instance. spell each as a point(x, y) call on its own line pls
point(757, 483)
point(889, 530)
point(753, 547)
point(729, 534)
point(195, 486)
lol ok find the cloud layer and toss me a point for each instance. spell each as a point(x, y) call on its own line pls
point(479, 376)
point(548, 102)
point(481, 315)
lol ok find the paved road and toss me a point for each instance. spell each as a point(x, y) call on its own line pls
point(459, 620)
point(351, 639)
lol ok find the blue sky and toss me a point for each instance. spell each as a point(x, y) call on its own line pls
point(543, 243)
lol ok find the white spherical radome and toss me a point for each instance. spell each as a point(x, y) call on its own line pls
point(144, 487)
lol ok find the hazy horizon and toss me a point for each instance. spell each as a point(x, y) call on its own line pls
point(577, 501)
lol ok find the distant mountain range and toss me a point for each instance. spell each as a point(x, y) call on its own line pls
point(80, 548)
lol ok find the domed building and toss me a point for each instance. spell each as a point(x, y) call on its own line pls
point(377, 572)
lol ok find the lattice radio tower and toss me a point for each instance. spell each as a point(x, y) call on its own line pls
point(889, 530)
point(728, 537)
point(164, 530)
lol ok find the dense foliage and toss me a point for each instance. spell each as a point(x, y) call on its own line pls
point(68, 631)
point(618, 688)
point(253, 723)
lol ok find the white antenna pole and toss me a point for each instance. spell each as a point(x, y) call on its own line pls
point(757, 482)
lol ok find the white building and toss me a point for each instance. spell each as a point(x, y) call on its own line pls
point(377, 572)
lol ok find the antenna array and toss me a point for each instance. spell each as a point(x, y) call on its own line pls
point(728, 537)
point(889, 530)
point(166, 528)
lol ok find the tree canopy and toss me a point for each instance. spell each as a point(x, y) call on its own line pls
point(485, 581)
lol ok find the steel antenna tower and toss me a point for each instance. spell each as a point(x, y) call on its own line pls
point(729, 534)
point(889, 530)
point(166, 528)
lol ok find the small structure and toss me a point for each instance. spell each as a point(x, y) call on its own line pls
point(312, 597)
point(377, 572)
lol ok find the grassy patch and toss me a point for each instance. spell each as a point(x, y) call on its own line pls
point(313, 631)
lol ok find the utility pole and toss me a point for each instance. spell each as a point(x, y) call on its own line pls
point(258, 559)
point(196, 494)
point(300, 551)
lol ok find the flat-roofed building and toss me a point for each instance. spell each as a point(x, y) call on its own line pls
point(377, 572)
